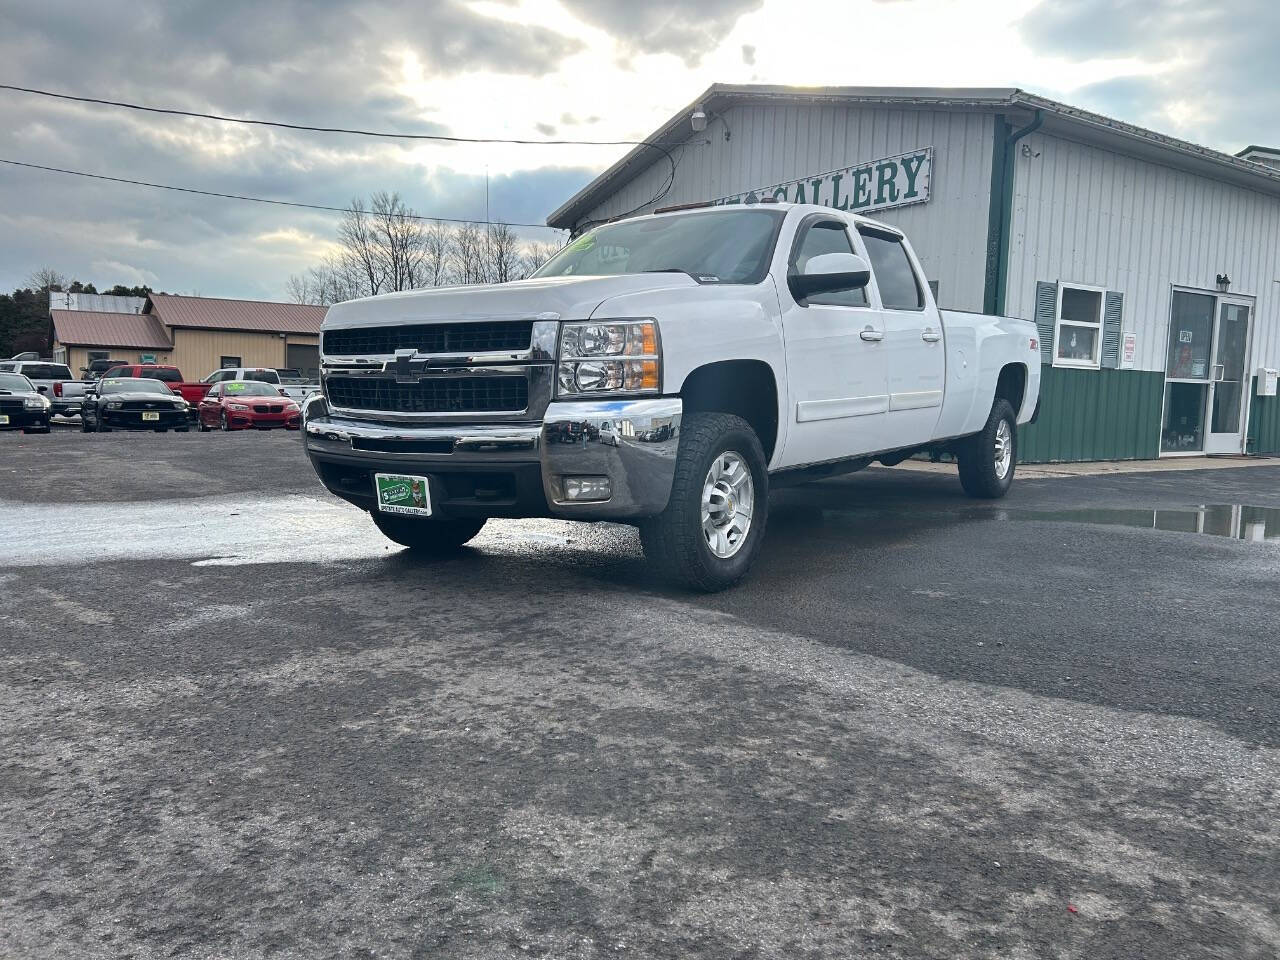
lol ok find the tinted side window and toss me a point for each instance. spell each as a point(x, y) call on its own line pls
point(897, 281)
point(118, 372)
point(828, 237)
point(164, 376)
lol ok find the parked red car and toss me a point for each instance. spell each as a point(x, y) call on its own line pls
point(167, 374)
point(247, 405)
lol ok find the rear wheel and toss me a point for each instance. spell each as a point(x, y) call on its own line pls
point(710, 532)
point(428, 535)
point(988, 458)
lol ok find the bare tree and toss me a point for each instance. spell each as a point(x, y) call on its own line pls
point(501, 249)
point(46, 278)
point(437, 245)
point(400, 240)
point(334, 280)
point(360, 253)
point(536, 254)
point(468, 254)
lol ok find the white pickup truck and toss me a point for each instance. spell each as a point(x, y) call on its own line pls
point(54, 380)
point(666, 371)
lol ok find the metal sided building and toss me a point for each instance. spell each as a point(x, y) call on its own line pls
point(1151, 265)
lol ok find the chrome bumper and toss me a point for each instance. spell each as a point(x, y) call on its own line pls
point(632, 442)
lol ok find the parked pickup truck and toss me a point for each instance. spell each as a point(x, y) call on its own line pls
point(54, 380)
point(665, 371)
point(167, 374)
point(294, 391)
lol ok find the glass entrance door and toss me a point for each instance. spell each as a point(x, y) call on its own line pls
point(1230, 355)
point(1205, 374)
point(1186, 375)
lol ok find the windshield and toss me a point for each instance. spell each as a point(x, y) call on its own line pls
point(241, 388)
point(720, 246)
point(16, 383)
point(133, 385)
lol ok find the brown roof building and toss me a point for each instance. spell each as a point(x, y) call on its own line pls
point(197, 334)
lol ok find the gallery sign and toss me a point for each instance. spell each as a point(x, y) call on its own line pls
point(876, 185)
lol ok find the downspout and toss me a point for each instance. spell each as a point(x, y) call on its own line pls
point(996, 292)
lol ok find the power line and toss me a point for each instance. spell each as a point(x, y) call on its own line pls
point(173, 112)
point(302, 126)
point(237, 196)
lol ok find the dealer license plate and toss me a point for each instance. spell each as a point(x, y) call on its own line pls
point(153, 415)
point(398, 493)
point(4, 418)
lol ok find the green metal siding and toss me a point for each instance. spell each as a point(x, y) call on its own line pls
point(1095, 415)
point(1264, 422)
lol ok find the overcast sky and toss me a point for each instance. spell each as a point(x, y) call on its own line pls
point(575, 69)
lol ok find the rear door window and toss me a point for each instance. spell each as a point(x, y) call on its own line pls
point(164, 376)
point(899, 288)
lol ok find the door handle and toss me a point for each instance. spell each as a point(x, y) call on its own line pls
point(930, 335)
point(871, 334)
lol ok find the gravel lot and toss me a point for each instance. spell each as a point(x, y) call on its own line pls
point(239, 723)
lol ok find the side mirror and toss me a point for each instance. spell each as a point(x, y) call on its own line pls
point(42, 389)
point(830, 273)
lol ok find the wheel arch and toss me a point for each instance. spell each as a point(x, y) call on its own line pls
point(744, 388)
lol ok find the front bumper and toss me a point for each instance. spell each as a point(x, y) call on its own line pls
point(132, 419)
point(23, 418)
point(263, 421)
point(514, 470)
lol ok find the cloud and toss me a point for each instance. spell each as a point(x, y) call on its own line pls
point(1208, 73)
point(687, 28)
point(749, 54)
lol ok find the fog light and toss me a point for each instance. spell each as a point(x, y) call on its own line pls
point(587, 488)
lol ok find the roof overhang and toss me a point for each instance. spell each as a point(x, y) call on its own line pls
point(1018, 105)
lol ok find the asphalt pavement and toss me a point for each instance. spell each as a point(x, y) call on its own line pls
point(237, 722)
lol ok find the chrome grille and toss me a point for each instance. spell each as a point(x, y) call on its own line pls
point(488, 394)
point(433, 338)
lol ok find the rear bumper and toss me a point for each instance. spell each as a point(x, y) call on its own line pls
point(513, 470)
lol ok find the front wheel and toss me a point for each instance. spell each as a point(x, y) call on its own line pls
point(712, 528)
point(432, 536)
point(988, 458)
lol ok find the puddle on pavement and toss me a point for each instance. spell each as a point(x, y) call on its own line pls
point(215, 531)
point(1235, 521)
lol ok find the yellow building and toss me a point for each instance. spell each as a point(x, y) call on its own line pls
point(196, 334)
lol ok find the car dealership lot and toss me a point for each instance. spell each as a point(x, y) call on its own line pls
point(239, 722)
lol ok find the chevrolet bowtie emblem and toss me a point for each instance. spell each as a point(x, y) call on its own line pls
point(409, 366)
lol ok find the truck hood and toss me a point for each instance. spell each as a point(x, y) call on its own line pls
point(568, 298)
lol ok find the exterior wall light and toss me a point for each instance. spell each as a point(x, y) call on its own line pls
point(699, 119)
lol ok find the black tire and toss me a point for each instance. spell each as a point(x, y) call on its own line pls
point(37, 429)
point(204, 427)
point(674, 540)
point(86, 426)
point(979, 474)
point(226, 422)
point(430, 536)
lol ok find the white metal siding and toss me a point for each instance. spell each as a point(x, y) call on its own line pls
point(772, 144)
point(1087, 214)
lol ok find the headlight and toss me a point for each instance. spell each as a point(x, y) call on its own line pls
point(614, 356)
point(36, 403)
point(114, 404)
point(238, 407)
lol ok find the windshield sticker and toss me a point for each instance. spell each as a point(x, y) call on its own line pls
point(583, 243)
point(235, 387)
